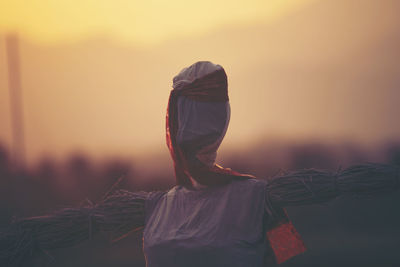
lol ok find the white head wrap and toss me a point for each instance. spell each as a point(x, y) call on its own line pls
point(201, 125)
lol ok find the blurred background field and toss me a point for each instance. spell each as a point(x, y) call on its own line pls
point(312, 84)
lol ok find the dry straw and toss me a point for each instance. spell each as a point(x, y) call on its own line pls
point(118, 214)
point(313, 186)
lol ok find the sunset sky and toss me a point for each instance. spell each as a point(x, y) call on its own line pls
point(96, 74)
point(135, 21)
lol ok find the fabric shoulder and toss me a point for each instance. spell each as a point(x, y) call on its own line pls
point(152, 199)
point(251, 182)
point(251, 190)
point(252, 186)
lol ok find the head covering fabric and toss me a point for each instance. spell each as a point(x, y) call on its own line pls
point(195, 72)
point(197, 118)
point(202, 127)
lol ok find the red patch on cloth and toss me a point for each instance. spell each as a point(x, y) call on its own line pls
point(285, 241)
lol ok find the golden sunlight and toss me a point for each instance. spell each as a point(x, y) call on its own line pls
point(141, 22)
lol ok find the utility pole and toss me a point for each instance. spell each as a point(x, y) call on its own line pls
point(14, 83)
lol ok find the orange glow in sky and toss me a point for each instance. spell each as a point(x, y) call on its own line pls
point(141, 22)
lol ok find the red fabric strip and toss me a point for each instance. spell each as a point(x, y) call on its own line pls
point(285, 241)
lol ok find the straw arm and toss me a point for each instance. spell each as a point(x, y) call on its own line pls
point(116, 215)
point(313, 186)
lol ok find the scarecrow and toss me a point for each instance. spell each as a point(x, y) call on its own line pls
point(213, 216)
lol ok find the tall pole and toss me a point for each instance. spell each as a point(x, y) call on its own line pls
point(14, 83)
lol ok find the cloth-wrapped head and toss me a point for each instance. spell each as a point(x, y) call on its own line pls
point(197, 119)
point(201, 124)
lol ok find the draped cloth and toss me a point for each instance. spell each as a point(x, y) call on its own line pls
point(209, 88)
point(205, 82)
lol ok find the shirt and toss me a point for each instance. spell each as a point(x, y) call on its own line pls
point(216, 226)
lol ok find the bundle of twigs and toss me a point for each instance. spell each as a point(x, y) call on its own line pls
point(117, 214)
point(312, 186)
